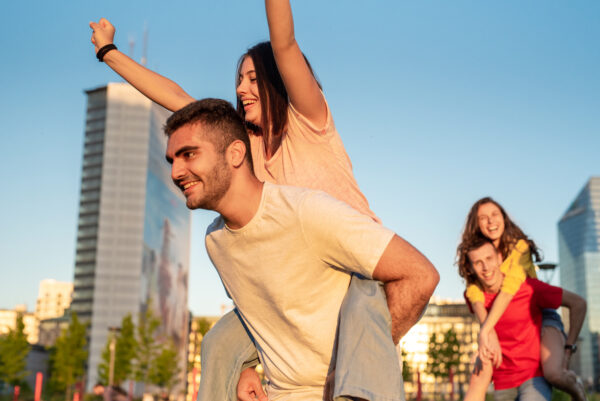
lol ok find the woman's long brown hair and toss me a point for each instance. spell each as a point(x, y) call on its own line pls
point(274, 101)
point(511, 235)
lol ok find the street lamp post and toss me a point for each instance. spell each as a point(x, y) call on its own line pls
point(112, 346)
point(547, 271)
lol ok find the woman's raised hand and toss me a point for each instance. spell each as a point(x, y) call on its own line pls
point(104, 33)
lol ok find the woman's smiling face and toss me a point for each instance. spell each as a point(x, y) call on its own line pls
point(247, 92)
point(491, 222)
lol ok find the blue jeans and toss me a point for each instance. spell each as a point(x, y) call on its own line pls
point(535, 389)
point(367, 364)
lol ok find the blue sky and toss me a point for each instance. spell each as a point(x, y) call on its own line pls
point(439, 103)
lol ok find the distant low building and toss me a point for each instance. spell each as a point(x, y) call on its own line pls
point(440, 316)
point(8, 322)
point(198, 325)
point(50, 329)
point(53, 298)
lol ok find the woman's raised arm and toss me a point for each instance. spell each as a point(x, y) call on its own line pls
point(154, 86)
point(302, 87)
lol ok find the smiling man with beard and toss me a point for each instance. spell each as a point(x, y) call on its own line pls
point(285, 254)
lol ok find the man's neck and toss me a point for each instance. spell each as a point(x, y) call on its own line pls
point(241, 202)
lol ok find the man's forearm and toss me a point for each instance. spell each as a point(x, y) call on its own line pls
point(576, 317)
point(577, 308)
point(407, 302)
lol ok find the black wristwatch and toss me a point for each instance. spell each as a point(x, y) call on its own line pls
point(572, 347)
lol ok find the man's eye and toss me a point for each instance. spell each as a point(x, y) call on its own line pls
point(189, 155)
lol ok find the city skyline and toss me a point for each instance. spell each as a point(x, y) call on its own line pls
point(438, 105)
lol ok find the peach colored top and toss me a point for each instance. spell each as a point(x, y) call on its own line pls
point(312, 158)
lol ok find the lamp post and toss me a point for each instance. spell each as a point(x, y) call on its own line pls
point(547, 271)
point(112, 346)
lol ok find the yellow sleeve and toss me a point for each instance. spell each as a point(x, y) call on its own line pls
point(517, 267)
point(474, 294)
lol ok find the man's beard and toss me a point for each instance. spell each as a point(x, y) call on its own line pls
point(216, 185)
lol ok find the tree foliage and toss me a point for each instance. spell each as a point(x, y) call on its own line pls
point(69, 357)
point(406, 369)
point(146, 345)
point(443, 354)
point(139, 356)
point(165, 368)
point(125, 352)
point(203, 325)
point(13, 354)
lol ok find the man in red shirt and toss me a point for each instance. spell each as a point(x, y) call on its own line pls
point(520, 374)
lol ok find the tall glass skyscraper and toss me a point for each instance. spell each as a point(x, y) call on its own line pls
point(133, 237)
point(579, 254)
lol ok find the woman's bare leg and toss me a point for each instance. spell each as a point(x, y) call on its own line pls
point(552, 354)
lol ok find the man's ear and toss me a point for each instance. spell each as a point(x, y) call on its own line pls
point(236, 153)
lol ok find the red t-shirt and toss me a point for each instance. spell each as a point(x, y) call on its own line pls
point(519, 332)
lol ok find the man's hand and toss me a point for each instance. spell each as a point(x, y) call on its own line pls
point(104, 33)
point(489, 346)
point(249, 387)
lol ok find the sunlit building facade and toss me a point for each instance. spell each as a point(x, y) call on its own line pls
point(440, 316)
point(198, 327)
point(8, 322)
point(53, 298)
point(133, 234)
point(579, 261)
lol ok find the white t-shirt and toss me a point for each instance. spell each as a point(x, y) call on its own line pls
point(287, 272)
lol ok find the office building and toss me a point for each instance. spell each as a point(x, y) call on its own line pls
point(53, 298)
point(133, 234)
point(440, 316)
point(579, 261)
point(8, 322)
point(199, 325)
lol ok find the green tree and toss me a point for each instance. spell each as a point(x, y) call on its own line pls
point(69, 357)
point(146, 349)
point(203, 325)
point(125, 352)
point(165, 369)
point(406, 370)
point(443, 355)
point(13, 354)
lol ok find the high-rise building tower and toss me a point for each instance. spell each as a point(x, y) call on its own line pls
point(579, 254)
point(133, 234)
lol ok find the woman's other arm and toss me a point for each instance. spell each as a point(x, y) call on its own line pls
point(302, 87)
point(154, 86)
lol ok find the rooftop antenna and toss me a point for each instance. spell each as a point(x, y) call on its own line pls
point(145, 45)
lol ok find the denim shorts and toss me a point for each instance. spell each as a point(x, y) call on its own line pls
point(551, 318)
point(535, 389)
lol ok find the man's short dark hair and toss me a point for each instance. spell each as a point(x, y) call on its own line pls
point(222, 123)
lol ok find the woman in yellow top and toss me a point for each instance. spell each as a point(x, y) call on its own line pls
point(489, 219)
